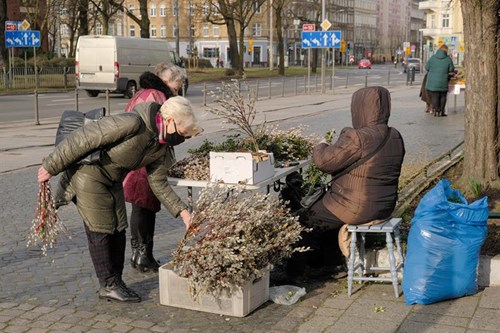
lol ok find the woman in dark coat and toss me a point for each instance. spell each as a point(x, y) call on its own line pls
point(157, 87)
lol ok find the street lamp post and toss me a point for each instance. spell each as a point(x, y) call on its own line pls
point(323, 88)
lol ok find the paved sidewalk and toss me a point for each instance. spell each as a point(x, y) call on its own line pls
point(58, 293)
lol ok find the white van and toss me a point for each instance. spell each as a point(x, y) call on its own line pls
point(115, 63)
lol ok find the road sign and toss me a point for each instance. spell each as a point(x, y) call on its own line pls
point(12, 25)
point(29, 38)
point(25, 25)
point(325, 25)
point(321, 39)
point(309, 27)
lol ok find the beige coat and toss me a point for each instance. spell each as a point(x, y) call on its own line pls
point(369, 191)
point(130, 141)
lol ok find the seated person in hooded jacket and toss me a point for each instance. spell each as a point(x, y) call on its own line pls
point(367, 192)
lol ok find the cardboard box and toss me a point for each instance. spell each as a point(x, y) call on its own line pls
point(240, 168)
point(174, 292)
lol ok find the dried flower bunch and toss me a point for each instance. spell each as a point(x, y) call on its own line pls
point(234, 234)
point(46, 227)
point(238, 109)
point(289, 145)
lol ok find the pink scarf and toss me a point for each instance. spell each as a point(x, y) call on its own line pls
point(160, 127)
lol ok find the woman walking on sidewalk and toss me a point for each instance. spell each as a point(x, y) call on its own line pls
point(166, 82)
point(127, 142)
point(439, 68)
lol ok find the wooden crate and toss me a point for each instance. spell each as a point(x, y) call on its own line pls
point(174, 292)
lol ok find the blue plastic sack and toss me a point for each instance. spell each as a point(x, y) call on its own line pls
point(444, 242)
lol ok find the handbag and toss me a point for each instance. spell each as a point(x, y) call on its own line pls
point(72, 120)
point(319, 190)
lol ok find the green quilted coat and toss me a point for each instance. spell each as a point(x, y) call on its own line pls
point(130, 141)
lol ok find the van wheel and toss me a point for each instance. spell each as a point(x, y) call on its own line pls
point(92, 93)
point(131, 89)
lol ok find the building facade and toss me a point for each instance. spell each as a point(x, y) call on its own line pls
point(443, 25)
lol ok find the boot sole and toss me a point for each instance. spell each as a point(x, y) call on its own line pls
point(110, 299)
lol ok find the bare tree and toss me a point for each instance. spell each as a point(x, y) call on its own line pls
point(279, 11)
point(3, 17)
point(104, 11)
point(236, 15)
point(143, 21)
point(83, 18)
point(482, 104)
point(72, 23)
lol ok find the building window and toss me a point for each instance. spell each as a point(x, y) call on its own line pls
point(210, 52)
point(153, 31)
point(174, 9)
point(191, 9)
point(256, 29)
point(257, 7)
point(215, 30)
point(64, 30)
point(174, 31)
point(163, 31)
point(152, 10)
point(446, 20)
point(163, 10)
point(98, 28)
point(131, 8)
point(433, 21)
point(132, 30)
point(205, 9)
point(205, 30)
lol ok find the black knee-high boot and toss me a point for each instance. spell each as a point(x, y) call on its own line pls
point(142, 230)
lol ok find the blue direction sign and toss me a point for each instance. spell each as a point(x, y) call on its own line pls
point(321, 39)
point(28, 38)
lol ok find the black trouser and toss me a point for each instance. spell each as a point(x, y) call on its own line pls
point(108, 254)
point(323, 241)
point(438, 100)
point(142, 225)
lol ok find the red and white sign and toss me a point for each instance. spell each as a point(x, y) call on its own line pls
point(309, 27)
point(11, 25)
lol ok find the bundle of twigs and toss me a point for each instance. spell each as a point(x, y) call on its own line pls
point(46, 226)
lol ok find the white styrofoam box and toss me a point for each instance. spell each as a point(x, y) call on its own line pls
point(240, 168)
point(174, 292)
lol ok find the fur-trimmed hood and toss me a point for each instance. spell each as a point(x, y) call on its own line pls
point(149, 80)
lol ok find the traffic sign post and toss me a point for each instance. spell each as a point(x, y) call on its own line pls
point(28, 38)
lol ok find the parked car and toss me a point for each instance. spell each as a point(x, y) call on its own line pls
point(364, 63)
point(413, 62)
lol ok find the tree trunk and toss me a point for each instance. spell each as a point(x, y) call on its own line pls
point(233, 46)
point(143, 5)
point(3, 17)
point(83, 18)
point(279, 33)
point(482, 103)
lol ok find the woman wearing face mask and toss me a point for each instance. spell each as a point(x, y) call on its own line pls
point(164, 83)
point(128, 141)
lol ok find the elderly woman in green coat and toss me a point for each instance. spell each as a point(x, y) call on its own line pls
point(128, 141)
point(439, 68)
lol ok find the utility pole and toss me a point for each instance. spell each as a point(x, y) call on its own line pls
point(271, 35)
point(176, 11)
point(323, 62)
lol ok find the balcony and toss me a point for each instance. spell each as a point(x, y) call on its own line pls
point(432, 5)
point(431, 31)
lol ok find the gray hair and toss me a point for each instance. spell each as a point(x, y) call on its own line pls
point(180, 109)
point(170, 73)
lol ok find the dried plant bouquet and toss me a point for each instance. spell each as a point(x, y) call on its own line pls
point(233, 236)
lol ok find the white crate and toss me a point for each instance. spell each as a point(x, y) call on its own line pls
point(236, 168)
point(174, 292)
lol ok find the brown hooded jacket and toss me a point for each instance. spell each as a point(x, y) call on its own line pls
point(370, 190)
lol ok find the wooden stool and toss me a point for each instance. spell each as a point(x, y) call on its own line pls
point(389, 227)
